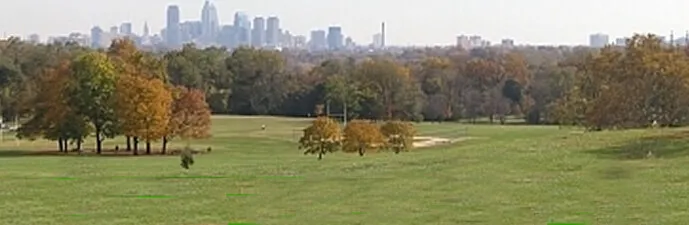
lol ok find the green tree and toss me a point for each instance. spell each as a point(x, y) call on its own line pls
point(91, 93)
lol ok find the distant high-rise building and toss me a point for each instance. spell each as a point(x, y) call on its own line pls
point(210, 23)
point(349, 43)
point(300, 42)
point(476, 41)
point(377, 41)
point(621, 41)
point(273, 32)
point(335, 38)
point(598, 40)
point(146, 30)
point(126, 29)
point(286, 39)
point(227, 36)
point(34, 39)
point(258, 34)
point(463, 42)
point(172, 36)
point(96, 36)
point(242, 26)
point(318, 40)
point(382, 35)
point(114, 30)
point(507, 43)
point(190, 31)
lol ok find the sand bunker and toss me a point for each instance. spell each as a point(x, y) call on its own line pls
point(422, 142)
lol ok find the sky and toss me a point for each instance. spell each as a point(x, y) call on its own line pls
point(408, 22)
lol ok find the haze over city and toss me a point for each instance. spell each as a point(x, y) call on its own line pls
point(432, 22)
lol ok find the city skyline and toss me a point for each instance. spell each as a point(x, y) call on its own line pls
point(434, 22)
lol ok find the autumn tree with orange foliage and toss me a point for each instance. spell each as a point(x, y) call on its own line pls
point(322, 137)
point(190, 116)
point(361, 136)
point(399, 135)
point(53, 118)
point(143, 109)
point(130, 61)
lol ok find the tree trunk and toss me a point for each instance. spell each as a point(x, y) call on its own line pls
point(361, 151)
point(164, 149)
point(136, 146)
point(129, 143)
point(148, 147)
point(320, 156)
point(99, 141)
point(490, 118)
point(59, 143)
point(79, 145)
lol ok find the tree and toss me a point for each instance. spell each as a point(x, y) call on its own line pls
point(361, 136)
point(91, 93)
point(53, 118)
point(130, 61)
point(399, 135)
point(391, 91)
point(442, 83)
point(143, 108)
point(322, 137)
point(260, 83)
point(191, 116)
point(342, 90)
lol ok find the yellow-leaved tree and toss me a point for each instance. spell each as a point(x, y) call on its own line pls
point(143, 109)
point(321, 137)
point(399, 135)
point(361, 136)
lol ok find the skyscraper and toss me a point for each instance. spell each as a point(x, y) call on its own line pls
point(382, 35)
point(114, 30)
point(147, 32)
point(335, 38)
point(273, 32)
point(258, 35)
point(242, 26)
point(377, 40)
point(598, 40)
point(126, 29)
point(210, 24)
point(96, 35)
point(318, 40)
point(172, 29)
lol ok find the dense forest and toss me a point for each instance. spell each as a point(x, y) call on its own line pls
point(64, 92)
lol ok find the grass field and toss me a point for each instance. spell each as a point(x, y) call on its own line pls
point(503, 175)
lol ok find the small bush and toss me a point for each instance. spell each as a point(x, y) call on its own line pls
point(187, 158)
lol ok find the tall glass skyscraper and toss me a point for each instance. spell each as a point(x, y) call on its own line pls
point(172, 36)
point(273, 32)
point(209, 23)
point(242, 26)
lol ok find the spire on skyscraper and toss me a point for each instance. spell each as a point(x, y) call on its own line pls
point(146, 31)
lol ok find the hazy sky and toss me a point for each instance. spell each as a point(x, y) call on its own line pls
point(409, 22)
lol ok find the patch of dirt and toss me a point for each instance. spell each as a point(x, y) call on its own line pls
point(424, 142)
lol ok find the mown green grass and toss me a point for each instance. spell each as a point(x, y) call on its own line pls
point(504, 175)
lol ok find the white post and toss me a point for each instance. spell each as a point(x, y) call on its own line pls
point(16, 126)
point(345, 113)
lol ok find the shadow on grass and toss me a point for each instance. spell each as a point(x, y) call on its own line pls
point(87, 153)
point(662, 146)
